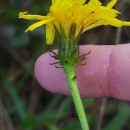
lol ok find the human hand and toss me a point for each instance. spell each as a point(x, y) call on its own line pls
point(106, 73)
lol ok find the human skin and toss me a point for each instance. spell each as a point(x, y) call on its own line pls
point(106, 73)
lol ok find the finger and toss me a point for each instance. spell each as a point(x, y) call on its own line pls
point(106, 73)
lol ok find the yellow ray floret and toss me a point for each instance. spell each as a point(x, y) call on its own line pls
point(50, 33)
point(64, 13)
point(111, 4)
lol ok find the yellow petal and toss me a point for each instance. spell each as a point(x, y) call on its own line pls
point(79, 2)
point(117, 23)
point(50, 33)
point(95, 3)
point(59, 6)
point(38, 24)
point(110, 21)
point(24, 15)
point(106, 12)
point(56, 1)
point(94, 25)
point(61, 2)
point(111, 4)
point(126, 23)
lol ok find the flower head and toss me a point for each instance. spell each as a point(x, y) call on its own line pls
point(68, 15)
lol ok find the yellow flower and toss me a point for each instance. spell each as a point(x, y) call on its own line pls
point(65, 13)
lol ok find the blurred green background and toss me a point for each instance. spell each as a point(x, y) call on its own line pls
point(24, 105)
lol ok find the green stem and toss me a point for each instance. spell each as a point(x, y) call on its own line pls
point(71, 78)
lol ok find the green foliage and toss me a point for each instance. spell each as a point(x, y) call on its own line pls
point(30, 107)
point(122, 117)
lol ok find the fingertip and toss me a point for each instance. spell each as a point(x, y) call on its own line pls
point(50, 77)
point(53, 79)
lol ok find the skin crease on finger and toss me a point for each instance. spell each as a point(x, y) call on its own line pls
point(106, 73)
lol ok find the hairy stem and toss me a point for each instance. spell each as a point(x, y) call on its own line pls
point(71, 78)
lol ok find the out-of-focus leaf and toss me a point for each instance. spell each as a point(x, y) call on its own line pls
point(120, 119)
